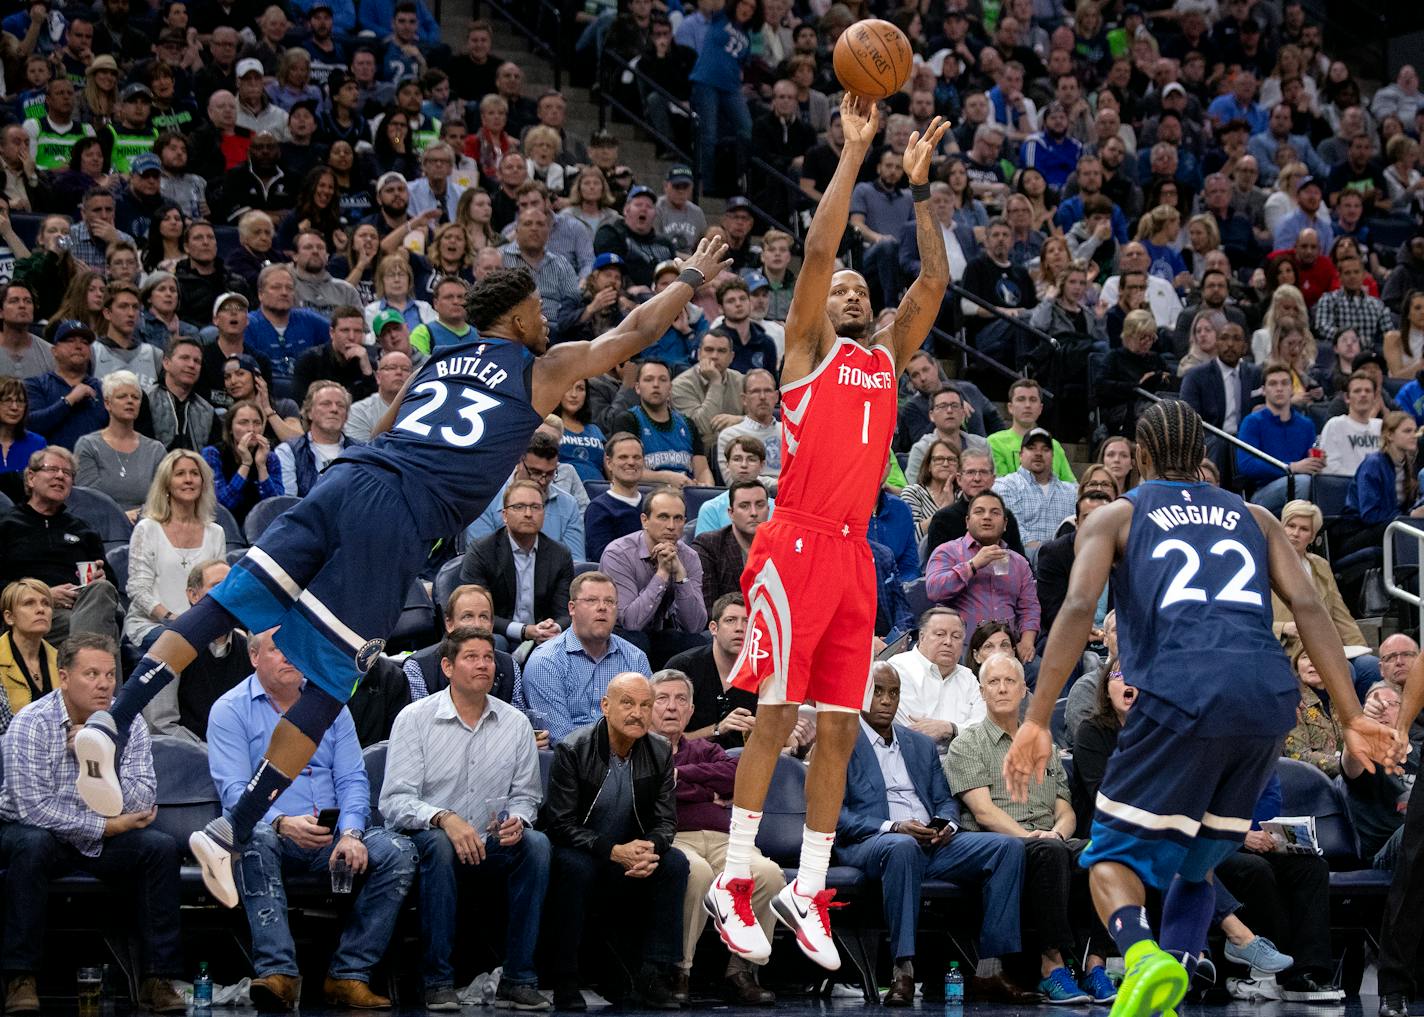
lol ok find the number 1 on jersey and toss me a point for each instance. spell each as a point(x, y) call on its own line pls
point(865, 425)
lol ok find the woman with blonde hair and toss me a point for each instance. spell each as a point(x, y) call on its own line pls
point(1294, 347)
point(1290, 64)
point(1053, 257)
point(1157, 232)
point(395, 291)
point(590, 200)
point(117, 459)
point(474, 212)
point(541, 153)
point(1282, 202)
point(1203, 237)
point(293, 82)
point(176, 532)
point(101, 91)
point(29, 665)
point(1206, 327)
point(450, 255)
point(1402, 176)
point(1070, 311)
point(1286, 301)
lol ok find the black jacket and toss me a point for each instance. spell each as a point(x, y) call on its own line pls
point(198, 292)
point(47, 548)
point(379, 696)
point(1055, 561)
point(577, 774)
point(490, 563)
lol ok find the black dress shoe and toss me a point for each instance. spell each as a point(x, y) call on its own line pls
point(655, 990)
point(568, 997)
point(1393, 1004)
point(902, 991)
point(998, 989)
point(741, 989)
point(680, 986)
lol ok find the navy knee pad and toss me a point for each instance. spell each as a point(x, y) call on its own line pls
point(314, 712)
point(205, 622)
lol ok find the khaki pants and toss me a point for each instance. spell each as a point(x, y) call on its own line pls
point(706, 852)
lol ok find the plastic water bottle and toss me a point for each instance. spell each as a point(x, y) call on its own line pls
point(203, 990)
point(953, 988)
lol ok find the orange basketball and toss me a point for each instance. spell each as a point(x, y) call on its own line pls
point(872, 58)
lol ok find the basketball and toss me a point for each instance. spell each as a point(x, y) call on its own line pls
point(872, 59)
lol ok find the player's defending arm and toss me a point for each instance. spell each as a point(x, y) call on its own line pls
point(1367, 740)
point(808, 329)
point(920, 307)
point(1096, 549)
point(567, 363)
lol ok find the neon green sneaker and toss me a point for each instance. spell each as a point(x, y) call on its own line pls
point(1155, 983)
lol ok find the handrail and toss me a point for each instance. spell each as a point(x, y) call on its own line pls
point(693, 158)
point(1243, 446)
point(533, 37)
point(1004, 369)
point(998, 312)
point(1398, 592)
point(766, 216)
point(793, 188)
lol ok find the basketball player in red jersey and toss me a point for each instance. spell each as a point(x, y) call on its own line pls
point(809, 582)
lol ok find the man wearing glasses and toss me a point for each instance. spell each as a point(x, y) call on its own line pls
point(563, 519)
point(43, 540)
point(436, 190)
point(976, 475)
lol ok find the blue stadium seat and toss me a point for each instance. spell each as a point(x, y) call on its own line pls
point(374, 758)
point(580, 567)
point(695, 497)
point(26, 226)
point(919, 601)
point(231, 531)
point(119, 561)
point(546, 762)
point(1306, 791)
point(236, 555)
point(228, 240)
point(1329, 493)
point(264, 512)
point(416, 626)
point(187, 799)
point(445, 582)
point(5, 503)
point(102, 513)
point(594, 488)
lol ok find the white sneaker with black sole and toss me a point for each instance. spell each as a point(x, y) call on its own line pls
point(1258, 987)
point(212, 846)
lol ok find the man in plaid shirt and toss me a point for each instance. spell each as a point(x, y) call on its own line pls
point(46, 831)
point(1350, 307)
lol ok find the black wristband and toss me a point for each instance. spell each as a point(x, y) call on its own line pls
point(920, 192)
point(692, 277)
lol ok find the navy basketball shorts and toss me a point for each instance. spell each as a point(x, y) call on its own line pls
point(332, 573)
point(1174, 804)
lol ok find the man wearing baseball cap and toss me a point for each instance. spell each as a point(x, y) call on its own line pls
point(1039, 500)
point(341, 118)
point(634, 239)
point(676, 215)
point(254, 110)
point(738, 220)
point(393, 336)
point(67, 402)
point(130, 134)
point(229, 317)
point(325, 23)
point(140, 196)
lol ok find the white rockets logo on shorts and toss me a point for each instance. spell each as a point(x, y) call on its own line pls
point(798, 545)
point(754, 651)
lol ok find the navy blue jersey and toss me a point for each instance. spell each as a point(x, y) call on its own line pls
point(464, 424)
point(1193, 595)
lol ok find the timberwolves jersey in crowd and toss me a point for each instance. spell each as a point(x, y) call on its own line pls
point(1194, 617)
point(462, 427)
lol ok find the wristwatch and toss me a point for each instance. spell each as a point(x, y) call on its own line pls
point(360, 835)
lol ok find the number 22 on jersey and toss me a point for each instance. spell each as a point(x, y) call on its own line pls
point(1180, 590)
point(470, 416)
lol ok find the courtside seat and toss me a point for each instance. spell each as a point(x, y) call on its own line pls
point(264, 514)
point(102, 513)
point(445, 582)
point(187, 800)
point(374, 758)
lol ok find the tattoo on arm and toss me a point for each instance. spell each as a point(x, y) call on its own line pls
point(934, 261)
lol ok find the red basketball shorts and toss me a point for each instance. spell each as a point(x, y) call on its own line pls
point(810, 592)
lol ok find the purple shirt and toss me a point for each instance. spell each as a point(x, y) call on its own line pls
point(646, 601)
point(982, 596)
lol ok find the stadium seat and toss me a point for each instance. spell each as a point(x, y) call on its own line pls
point(228, 240)
point(236, 555)
point(26, 226)
point(445, 582)
point(546, 762)
point(1329, 494)
point(231, 531)
point(5, 503)
point(187, 799)
point(264, 512)
point(118, 559)
point(374, 758)
point(1306, 791)
point(917, 599)
point(580, 567)
point(695, 497)
point(416, 626)
point(102, 513)
point(594, 488)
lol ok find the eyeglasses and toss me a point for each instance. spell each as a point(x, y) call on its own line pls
point(597, 601)
point(18, 400)
point(63, 471)
point(524, 507)
point(976, 473)
point(942, 460)
point(538, 474)
point(1399, 655)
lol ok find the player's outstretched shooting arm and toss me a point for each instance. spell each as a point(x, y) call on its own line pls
point(920, 306)
point(567, 363)
point(808, 327)
point(1367, 740)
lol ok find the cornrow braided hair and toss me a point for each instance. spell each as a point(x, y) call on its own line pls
point(1172, 435)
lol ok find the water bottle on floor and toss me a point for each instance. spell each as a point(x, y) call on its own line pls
point(953, 988)
point(203, 990)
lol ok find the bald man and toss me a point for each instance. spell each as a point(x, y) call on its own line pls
point(611, 815)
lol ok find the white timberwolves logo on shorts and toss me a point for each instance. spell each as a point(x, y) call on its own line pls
point(767, 650)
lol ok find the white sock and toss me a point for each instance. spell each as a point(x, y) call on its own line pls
point(815, 860)
point(741, 843)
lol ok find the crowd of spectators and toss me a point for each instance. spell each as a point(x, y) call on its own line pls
point(251, 229)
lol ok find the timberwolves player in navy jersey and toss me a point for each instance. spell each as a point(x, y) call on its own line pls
point(1192, 568)
point(331, 574)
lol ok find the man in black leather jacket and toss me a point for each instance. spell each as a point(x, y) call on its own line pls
point(611, 814)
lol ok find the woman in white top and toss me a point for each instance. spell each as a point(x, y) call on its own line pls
point(118, 460)
point(541, 146)
point(1404, 346)
point(395, 291)
point(1400, 176)
point(176, 533)
point(1282, 202)
point(1290, 63)
point(1206, 326)
point(1287, 300)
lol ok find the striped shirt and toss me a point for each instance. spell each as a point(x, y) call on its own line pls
point(564, 683)
point(437, 762)
point(41, 770)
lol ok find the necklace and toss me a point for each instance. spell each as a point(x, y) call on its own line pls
point(123, 461)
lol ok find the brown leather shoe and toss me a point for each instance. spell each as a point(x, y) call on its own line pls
point(157, 995)
point(902, 991)
point(681, 986)
point(998, 989)
point(21, 996)
point(353, 993)
point(742, 990)
point(275, 993)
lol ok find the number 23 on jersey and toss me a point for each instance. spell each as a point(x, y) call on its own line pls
point(467, 428)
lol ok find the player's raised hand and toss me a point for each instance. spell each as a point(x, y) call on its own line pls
point(710, 258)
point(921, 149)
point(1028, 757)
point(860, 119)
point(1371, 742)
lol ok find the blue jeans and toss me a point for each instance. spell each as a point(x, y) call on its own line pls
point(993, 861)
point(882, 270)
point(379, 893)
point(721, 114)
point(523, 868)
point(1273, 497)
